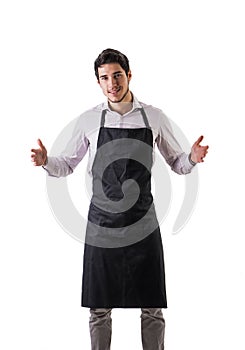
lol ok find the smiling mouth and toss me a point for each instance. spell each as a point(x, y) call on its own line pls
point(115, 91)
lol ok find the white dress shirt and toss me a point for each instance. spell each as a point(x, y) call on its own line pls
point(86, 132)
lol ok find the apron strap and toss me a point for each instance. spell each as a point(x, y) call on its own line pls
point(102, 121)
point(142, 111)
point(145, 118)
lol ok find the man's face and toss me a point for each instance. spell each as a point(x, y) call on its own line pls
point(114, 82)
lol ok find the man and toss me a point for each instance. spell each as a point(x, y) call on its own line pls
point(123, 255)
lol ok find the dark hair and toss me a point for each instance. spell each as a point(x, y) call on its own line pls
point(111, 56)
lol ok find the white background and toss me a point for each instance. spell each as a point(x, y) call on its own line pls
point(187, 58)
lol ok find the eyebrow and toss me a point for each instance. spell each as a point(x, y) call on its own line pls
point(105, 75)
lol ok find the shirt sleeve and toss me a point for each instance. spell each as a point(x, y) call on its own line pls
point(170, 149)
point(65, 163)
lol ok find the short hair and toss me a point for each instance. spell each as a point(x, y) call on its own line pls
point(111, 56)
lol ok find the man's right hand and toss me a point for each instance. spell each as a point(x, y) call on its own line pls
point(39, 155)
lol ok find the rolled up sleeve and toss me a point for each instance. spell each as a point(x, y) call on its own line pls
point(170, 149)
point(65, 163)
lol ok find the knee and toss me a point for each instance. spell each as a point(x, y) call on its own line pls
point(99, 314)
point(153, 313)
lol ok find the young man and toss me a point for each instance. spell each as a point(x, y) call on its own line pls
point(123, 254)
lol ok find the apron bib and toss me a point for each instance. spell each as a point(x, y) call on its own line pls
point(123, 263)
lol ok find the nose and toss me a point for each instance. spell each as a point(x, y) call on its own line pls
point(112, 82)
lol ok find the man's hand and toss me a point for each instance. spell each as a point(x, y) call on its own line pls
point(198, 152)
point(39, 155)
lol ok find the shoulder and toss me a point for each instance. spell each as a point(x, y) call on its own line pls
point(90, 118)
point(91, 113)
point(156, 115)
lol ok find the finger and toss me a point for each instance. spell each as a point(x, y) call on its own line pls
point(204, 154)
point(35, 150)
point(204, 148)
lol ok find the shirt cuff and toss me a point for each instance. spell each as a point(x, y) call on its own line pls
point(191, 161)
point(49, 166)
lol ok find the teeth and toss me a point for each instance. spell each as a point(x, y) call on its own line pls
point(112, 91)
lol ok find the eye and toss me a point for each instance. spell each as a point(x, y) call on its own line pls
point(117, 75)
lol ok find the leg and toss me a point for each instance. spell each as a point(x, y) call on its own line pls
point(152, 329)
point(100, 329)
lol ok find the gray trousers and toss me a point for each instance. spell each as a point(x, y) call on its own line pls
point(152, 329)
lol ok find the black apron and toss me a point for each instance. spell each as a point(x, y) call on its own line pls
point(123, 265)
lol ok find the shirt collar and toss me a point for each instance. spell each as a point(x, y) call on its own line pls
point(136, 105)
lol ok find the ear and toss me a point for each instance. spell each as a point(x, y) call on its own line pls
point(129, 75)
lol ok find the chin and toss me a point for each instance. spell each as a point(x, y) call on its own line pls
point(115, 99)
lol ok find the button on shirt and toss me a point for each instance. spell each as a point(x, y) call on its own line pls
point(86, 131)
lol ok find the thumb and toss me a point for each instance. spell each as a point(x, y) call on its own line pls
point(199, 140)
point(40, 144)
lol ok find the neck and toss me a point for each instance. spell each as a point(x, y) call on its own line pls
point(123, 106)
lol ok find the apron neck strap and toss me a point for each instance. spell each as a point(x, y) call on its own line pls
point(142, 111)
point(102, 121)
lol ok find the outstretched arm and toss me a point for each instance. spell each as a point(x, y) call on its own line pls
point(198, 152)
point(65, 163)
point(39, 155)
point(180, 162)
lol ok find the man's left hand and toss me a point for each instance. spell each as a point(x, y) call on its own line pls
point(198, 152)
